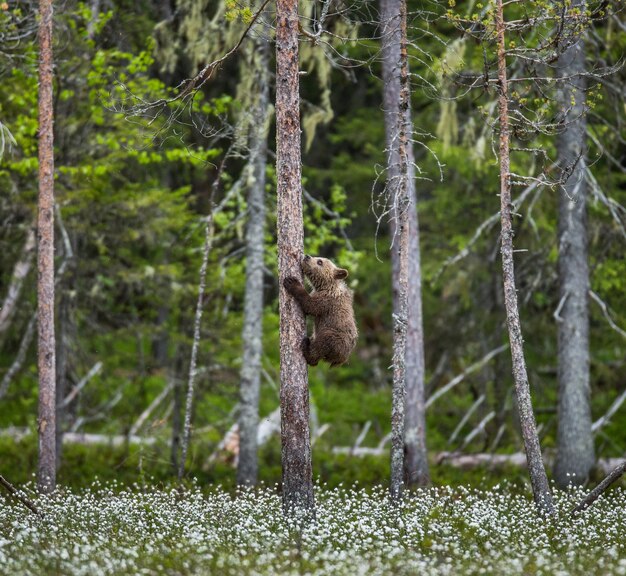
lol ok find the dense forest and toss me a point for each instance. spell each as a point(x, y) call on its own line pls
point(165, 154)
point(286, 285)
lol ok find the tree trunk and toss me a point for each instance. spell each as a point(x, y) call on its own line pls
point(416, 463)
point(575, 448)
point(247, 468)
point(398, 190)
point(45, 233)
point(297, 474)
point(536, 469)
point(208, 241)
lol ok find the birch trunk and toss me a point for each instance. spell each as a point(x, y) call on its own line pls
point(536, 469)
point(46, 478)
point(575, 448)
point(186, 437)
point(247, 467)
point(416, 462)
point(294, 395)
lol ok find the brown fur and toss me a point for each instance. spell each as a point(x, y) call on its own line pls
point(330, 304)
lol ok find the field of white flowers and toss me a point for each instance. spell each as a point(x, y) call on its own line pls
point(456, 531)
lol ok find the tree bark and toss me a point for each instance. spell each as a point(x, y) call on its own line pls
point(45, 234)
point(416, 462)
point(398, 189)
point(297, 477)
point(575, 447)
point(536, 469)
point(247, 468)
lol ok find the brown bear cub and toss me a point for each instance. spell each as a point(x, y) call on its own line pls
point(330, 304)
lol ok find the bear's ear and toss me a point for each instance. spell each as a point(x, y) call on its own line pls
point(341, 273)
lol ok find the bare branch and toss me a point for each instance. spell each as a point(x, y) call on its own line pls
point(478, 429)
point(20, 271)
point(485, 226)
point(466, 417)
point(21, 355)
point(152, 406)
point(604, 420)
point(605, 311)
point(17, 495)
point(81, 384)
point(600, 488)
point(460, 377)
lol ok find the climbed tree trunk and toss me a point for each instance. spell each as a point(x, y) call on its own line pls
point(294, 395)
point(247, 468)
point(536, 469)
point(46, 477)
point(398, 189)
point(416, 463)
point(575, 449)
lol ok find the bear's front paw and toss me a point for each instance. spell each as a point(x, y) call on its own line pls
point(291, 283)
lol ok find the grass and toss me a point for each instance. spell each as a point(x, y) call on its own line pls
point(110, 529)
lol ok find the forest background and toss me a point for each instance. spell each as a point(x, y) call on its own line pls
point(135, 182)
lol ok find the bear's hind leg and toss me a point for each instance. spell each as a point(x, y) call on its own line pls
point(310, 350)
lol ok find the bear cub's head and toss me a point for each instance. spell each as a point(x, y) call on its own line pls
point(322, 273)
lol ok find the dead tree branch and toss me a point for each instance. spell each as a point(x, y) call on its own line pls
point(600, 488)
point(20, 271)
point(460, 377)
point(16, 494)
point(95, 369)
point(153, 405)
point(605, 311)
point(21, 355)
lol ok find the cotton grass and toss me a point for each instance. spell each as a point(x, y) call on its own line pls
point(456, 531)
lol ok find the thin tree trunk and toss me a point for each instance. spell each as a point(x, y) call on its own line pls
point(575, 448)
point(297, 476)
point(416, 461)
point(20, 271)
point(45, 284)
point(401, 205)
point(208, 241)
point(536, 469)
point(247, 467)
